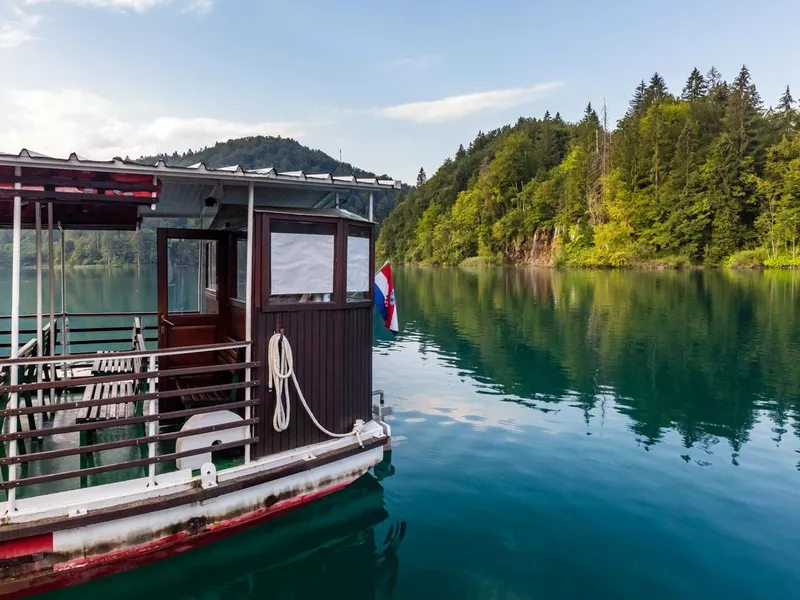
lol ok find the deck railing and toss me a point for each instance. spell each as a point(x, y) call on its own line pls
point(26, 447)
point(85, 331)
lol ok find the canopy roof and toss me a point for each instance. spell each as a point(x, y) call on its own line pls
point(115, 194)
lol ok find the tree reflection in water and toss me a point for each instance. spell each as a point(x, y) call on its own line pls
point(706, 354)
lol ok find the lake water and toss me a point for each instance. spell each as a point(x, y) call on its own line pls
point(569, 435)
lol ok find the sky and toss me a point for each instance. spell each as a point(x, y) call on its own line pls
point(394, 86)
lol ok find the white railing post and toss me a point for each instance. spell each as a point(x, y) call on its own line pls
point(65, 334)
point(13, 401)
point(371, 207)
point(39, 322)
point(248, 335)
point(51, 260)
point(153, 425)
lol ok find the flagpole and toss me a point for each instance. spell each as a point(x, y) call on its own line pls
point(383, 265)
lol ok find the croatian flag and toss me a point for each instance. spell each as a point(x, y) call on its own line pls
point(384, 297)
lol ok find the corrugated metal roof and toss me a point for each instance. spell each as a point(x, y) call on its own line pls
point(233, 174)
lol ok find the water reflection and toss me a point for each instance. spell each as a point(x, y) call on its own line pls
point(708, 356)
point(342, 546)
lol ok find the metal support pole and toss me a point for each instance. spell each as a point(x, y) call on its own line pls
point(64, 317)
point(51, 259)
point(39, 323)
point(371, 207)
point(248, 335)
point(153, 425)
point(15, 276)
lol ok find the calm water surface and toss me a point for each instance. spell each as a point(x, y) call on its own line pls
point(569, 435)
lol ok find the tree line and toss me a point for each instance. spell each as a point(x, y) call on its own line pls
point(708, 176)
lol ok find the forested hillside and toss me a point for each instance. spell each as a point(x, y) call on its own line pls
point(705, 176)
point(126, 248)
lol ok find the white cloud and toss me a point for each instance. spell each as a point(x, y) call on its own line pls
point(18, 28)
point(59, 122)
point(422, 62)
point(458, 107)
point(200, 6)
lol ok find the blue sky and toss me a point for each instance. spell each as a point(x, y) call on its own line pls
point(395, 86)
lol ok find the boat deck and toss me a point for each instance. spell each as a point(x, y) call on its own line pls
point(85, 420)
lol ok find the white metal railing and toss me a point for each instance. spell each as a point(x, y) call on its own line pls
point(13, 463)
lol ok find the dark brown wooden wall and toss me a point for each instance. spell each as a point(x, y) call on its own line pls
point(333, 361)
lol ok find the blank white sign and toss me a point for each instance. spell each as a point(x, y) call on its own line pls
point(357, 264)
point(301, 263)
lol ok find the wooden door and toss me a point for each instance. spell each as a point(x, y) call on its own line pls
point(192, 291)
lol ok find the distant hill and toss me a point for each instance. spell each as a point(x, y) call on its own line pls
point(284, 154)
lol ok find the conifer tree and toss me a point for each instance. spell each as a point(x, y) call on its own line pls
point(421, 177)
point(695, 88)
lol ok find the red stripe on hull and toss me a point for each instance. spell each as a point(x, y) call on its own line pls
point(85, 569)
point(32, 545)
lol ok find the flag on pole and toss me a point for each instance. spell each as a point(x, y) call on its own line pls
point(384, 297)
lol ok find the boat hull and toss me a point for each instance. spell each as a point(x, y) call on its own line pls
point(59, 558)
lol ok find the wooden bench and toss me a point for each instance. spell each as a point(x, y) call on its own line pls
point(110, 364)
point(231, 356)
point(106, 413)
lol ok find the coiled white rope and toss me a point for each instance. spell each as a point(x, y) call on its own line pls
point(280, 362)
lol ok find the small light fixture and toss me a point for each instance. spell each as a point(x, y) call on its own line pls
point(153, 206)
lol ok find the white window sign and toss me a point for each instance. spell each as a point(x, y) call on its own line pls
point(357, 264)
point(301, 263)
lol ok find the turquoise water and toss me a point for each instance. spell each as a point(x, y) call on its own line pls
point(569, 435)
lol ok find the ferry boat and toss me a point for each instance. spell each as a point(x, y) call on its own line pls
point(238, 399)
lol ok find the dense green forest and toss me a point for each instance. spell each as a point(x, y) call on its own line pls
point(708, 176)
point(126, 248)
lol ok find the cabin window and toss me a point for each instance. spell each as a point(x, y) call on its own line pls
point(191, 271)
point(358, 260)
point(301, 261)
point(241, 269)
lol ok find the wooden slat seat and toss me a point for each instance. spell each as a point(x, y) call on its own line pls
point(231, 356)
point(108, 363)
point(107, 412)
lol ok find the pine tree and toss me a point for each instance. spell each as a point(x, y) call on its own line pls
point(787, 115)
point(786, 104)
point(743, 112)
point(713, 78)
point(716, 86)
point(637, 102)
point(547, 115)
point(722, 175)
point(656, 90)
point(421, 177)
point(590, 116)
point(695, 88)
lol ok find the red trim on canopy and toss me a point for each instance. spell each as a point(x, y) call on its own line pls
point(81, 199)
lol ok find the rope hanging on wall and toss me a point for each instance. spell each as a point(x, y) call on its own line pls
point(280, 362)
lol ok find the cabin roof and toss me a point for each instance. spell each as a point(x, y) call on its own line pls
point(234, 217)
point(101, 194)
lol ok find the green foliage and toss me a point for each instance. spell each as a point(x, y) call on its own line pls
point(478, 261)
point(747, 259)
point(689, 180)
